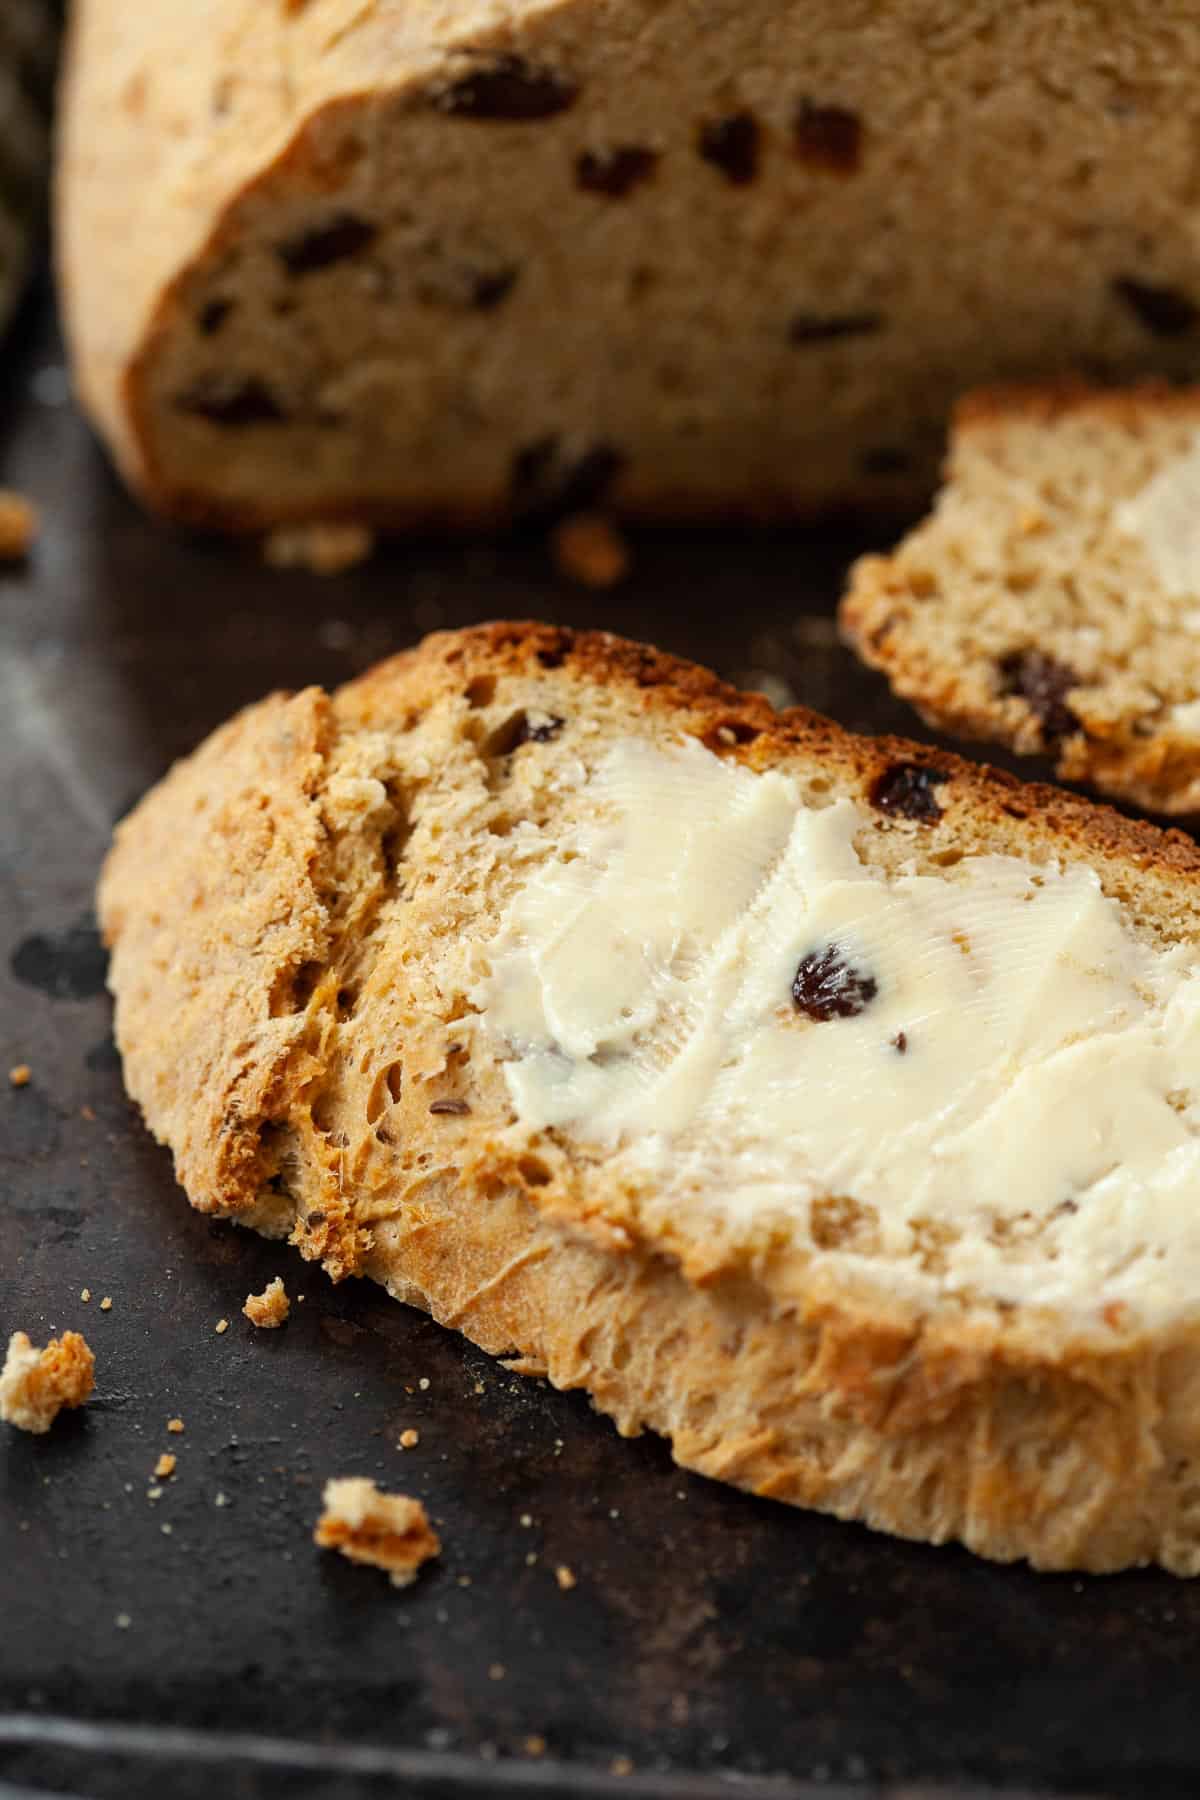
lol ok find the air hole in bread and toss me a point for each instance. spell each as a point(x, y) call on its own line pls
point(534, 1172)
point(481, 691)
point(347, 1000)
point(294, 988)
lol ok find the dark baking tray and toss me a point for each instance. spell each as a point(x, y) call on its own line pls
point(719, 1643)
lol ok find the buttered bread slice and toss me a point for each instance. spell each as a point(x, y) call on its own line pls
point(1051, 602)
point(828, 1105)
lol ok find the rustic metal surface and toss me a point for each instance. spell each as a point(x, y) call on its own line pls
point(708, 1634)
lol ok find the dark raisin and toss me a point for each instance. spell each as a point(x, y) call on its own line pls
point(212, 316)
point(886, 459)
point(226, 400)
point(548, 481)
point(489, 287)
point(615, 172)
point(508, 88)
point(338, 239)
point(1164, 311)
point(828, 137)
point(454, 1108)
point(828, 987)
point(900, 1042)
point(908, 790)
point(1043, 684)
point(732, 145)
point(822, 328)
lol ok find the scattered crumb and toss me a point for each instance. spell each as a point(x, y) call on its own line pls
point(122, 1621)
point(479, 1387)
point(18, 526)
point(221, 1325)
point(589, 549)
point(321, 549)
point(174, 1424)
point(497, 1672)
point(164, 1466)
point(389, 1531)
point(409, 1439)
point(106, 1303)
point(565, 1577)
point(21, 1075)
point(621, 1765)
point(535, 1745)
point(268, 1309)
point(88, 1113)
point(221, 1498)
point(154, 1493)
point(35, 1385)
point(423, 1384)
point(526, 1520)
point(530, 1558)
point(85, 1295)
point(166, 1529)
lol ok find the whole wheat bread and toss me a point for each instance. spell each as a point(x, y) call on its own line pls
point(328, 924)
point(1051, 601)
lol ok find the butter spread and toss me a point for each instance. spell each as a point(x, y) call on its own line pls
point(1165, 516)
point(1012, 1068)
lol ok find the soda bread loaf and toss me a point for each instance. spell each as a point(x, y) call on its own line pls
point(1052, 600)
point(451, 262)
point(27, 45)
point(828, 1105)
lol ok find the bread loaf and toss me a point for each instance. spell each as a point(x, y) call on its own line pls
point(1051, 602)
point(451, 263)
point(828, 1105)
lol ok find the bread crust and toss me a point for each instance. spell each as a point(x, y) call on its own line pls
point(1128, 751)
point(243, 905)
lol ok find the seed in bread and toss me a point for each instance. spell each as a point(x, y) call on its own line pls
point(36, 1385)
point(507, 258)
point(1051, 602)
point(828, 1105)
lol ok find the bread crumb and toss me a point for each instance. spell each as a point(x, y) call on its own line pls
point(88, 1113)
point(106, 1303)
point(18, 526)
point(621, 1765)
point(388, 1531)
point(21, 1075)
point(327, 549)
point(221, 1325)
point(589, 549)
point(535, 1745)
point(122, 1621)
point(409, 1439)
point(497, 1672)
point(220, 1498)
point(35, 1385)
point(423, 1383)
point(174, 1424)
point(164, 1466)
point(565, 1577)
point(270, 1308)
point(85, 1295)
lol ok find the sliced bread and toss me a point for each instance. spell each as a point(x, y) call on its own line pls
point(1051, 602)
point(464, 259)
point(829, 1105)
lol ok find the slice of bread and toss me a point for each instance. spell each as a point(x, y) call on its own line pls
point(1051, 602)
point(829, 1105)
point(409, 263)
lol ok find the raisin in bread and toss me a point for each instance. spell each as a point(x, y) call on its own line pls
point(828, 1105)
point(1052, 600)
point(451, 262)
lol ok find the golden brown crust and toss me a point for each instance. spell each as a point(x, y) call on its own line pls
point(269, 915)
